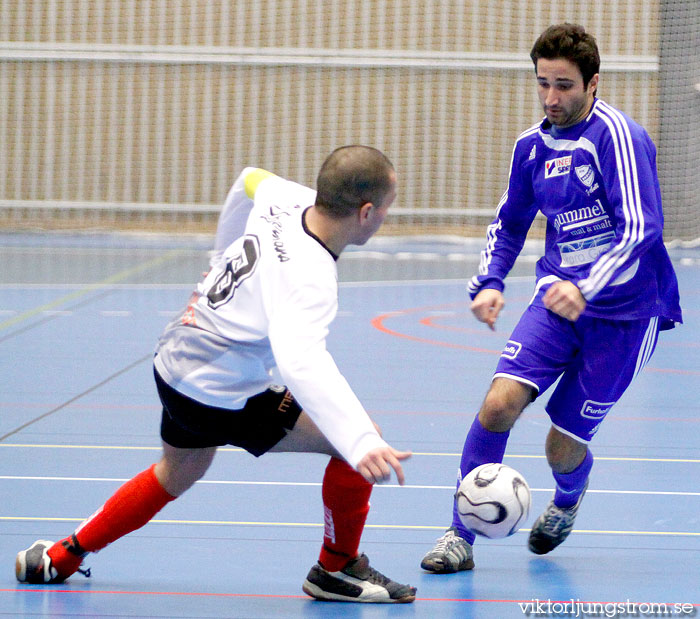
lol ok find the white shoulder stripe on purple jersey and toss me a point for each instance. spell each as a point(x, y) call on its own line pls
point(493, 229)
point(604, 269)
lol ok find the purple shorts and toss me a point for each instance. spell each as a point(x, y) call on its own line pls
point(595, 357)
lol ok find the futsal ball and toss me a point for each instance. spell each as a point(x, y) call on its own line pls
point(493, 500)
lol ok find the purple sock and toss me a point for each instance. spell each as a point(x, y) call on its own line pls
point(480, 447)
point(571, 485)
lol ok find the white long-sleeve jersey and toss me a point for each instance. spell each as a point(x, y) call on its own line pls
point(266, 305)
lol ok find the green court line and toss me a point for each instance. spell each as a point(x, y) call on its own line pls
point(112, 279)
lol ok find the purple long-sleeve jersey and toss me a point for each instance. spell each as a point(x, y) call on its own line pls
point(597, 186)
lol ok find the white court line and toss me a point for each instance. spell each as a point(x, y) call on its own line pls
point(415, 453)
point(190, 285)
point(298, 483)
point(462, 281)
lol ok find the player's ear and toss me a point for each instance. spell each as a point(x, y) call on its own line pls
point(593, 83)
point(365, 211)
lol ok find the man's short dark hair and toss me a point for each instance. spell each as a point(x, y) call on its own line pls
point(352, 176)
point(572, 42)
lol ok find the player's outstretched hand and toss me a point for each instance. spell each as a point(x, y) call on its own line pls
point(376, 465)
point(487, 305)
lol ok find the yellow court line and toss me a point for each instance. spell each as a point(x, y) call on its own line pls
point(415, 453)
point(403, 527)
point(112, 279)
point(241, 482)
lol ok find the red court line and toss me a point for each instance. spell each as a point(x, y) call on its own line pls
point(41, 589)
point(434, 323)
point(378, 323)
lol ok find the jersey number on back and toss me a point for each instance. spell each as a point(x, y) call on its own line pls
point(239, 267)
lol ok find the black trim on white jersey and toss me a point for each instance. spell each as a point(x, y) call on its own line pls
point(313, 236)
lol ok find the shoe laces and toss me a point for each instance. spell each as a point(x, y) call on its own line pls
point(377, 578)
point(445, 543)
point(556, 519)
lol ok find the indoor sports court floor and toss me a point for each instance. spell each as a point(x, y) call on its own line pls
point(79, 318)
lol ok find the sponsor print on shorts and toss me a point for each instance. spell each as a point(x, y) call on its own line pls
point(595, 410)
point(584, 251)
point(511, 349)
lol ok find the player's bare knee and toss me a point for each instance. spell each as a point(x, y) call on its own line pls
point(179, 469)
point(499, 412)
point(307, 438)
point(564, 453)
point(495, 418)
point(504, 402)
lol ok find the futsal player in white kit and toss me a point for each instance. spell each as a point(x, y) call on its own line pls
point(605, 285)
point(261, 315)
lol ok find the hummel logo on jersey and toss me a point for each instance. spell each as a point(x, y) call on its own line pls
point(557, 167)
point(533, 152)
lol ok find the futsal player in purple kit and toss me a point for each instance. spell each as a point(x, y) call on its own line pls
point(604, 287)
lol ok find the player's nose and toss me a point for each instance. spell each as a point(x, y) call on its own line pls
point(552, 98)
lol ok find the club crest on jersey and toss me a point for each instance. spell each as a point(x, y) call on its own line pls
point(585, 174)
point(511, 349)
point(557, 167)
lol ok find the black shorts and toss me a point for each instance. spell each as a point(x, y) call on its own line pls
point(257, 427)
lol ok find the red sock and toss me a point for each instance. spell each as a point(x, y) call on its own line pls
point(345, 505)
point(128, 509)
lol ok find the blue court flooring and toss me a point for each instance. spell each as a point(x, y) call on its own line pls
point(79, 415)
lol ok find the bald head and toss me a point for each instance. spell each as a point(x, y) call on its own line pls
point(352, 176)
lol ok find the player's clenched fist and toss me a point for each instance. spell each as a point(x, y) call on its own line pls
point(487, 305)
point(565, 299)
